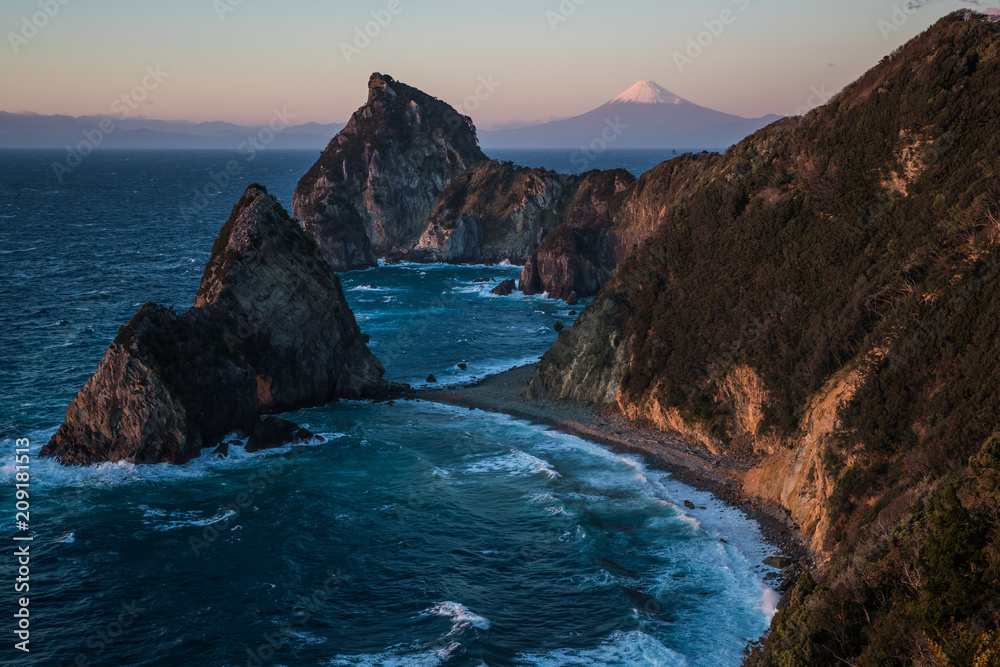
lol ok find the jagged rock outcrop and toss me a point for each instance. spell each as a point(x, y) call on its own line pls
point(386, 168)
point(270, 331)
point(822, 307)
point(495, 211)
point(505, 288)
point(406, 181)
point(579, 257)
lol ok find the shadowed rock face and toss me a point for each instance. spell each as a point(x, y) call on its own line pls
point(396, 155)
point(581, 255)
point(270, 331)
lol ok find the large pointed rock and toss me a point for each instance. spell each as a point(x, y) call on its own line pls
point(270, 331)
point(382, 174)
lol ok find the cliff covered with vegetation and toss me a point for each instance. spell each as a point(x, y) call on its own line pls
point(824, 306)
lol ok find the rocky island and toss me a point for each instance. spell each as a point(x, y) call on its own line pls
point(269, 332)
point(405, 180)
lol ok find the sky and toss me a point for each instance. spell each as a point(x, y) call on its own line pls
point(498, 61)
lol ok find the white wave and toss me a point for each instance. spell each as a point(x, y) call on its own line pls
point(408, 655)
point(163, 520)
point(769, 602)
point(371, 288)
point(621, 649)
point(515, 462)
point(461, 616)
point(47, 472)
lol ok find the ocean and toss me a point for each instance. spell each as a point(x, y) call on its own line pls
point(416, 534)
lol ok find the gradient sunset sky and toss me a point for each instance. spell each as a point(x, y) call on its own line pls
point(236, 60)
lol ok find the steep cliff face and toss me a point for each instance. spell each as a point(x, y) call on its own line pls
point(495, 211)
point(579, 257)
point(825, 308)
point(270, 331)
point(388, 166)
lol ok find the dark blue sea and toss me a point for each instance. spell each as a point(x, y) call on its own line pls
point(416, 535)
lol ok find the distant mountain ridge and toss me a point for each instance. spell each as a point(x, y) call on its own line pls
point(38, 131)
point(644, 116)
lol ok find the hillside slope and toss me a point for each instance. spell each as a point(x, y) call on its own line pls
point(826, 308)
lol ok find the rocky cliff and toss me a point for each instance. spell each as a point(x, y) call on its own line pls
point(386, 170)
point(824, 308)
point(579, 257)
point(270, 331)
point(405, 180)
point(494, 212)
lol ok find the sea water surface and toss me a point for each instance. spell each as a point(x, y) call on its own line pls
point(416, 534)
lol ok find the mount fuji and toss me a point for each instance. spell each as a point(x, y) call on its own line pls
point(644, 116)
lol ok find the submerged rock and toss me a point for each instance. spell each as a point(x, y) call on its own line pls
point(270, 331)
point(431, 379)
point(506, 288)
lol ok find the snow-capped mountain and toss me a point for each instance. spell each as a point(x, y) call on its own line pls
point(644, 116)
point(647, 92)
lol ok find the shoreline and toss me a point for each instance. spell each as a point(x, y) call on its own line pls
point(695, 466)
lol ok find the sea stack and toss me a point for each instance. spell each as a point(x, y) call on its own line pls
point(377, 183)
point(270, 331)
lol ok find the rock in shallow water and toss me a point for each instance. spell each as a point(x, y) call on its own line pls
point(271, 433)
point(270, 331)
point(506, 288)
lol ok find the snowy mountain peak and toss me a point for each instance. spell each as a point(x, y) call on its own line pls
point(647, 92)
